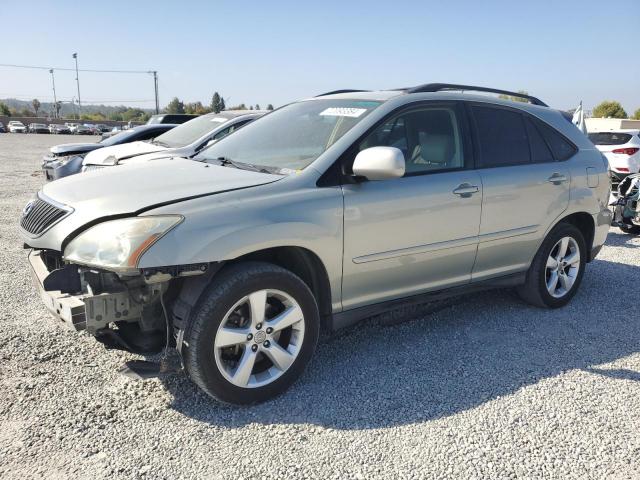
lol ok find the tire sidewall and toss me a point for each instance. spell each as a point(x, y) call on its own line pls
point(563, 230)
point(217, 300)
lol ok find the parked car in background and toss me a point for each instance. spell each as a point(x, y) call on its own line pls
point(170, 118)
point(2, 130)
point(622, 149)
point(64, 160)
point(113, 131)
point(59, 129)
point(15, 126)
point(38, 128)
point(185, 140)
point(324, 212)
point(82, 130)
point(72, 126)
point(102, 128)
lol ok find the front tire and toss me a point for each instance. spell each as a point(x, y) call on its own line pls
point(556, 271)
point(251, 334)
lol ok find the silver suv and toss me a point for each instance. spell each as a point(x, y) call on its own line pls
point(319, 214)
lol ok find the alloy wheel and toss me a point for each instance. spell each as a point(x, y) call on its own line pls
point(563, 266)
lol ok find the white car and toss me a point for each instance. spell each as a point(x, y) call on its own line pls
point(622, 149)
point(17, 127)
point(185, 140)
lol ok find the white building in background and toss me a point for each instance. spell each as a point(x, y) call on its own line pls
point(607, 124)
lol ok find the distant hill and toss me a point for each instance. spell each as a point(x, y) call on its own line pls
point(46, 108)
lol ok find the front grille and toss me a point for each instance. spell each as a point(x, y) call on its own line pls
point(40, 215)
point(89, 168)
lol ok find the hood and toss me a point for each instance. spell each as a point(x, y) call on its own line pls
point(168, 153)
point(111, 155)
point(67, 148)
point(132, 188)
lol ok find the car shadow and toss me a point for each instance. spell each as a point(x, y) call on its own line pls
point(616, 373)
point(617, 238)
point(483, 347)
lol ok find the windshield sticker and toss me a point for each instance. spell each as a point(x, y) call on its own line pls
point(343, 112)
point(218, 119)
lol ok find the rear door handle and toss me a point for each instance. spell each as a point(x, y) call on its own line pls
point(558, 178)
point(465, 190)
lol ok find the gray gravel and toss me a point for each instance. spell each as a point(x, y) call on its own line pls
point(485, 388)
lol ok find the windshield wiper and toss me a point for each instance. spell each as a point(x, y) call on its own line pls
point(226, 161)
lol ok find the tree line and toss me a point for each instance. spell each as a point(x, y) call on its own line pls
point(216, 105)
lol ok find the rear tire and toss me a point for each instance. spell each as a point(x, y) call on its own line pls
point(557, 268)
point(241, 353)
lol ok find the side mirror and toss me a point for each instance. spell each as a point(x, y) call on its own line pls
point(379, 163)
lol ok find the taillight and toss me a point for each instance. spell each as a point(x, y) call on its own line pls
point(626, 151)
point(622, 169)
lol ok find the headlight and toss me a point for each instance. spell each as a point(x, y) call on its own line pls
point(118, 244)
point(66, 159)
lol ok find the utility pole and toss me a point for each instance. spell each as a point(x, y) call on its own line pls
point(75, 56)
point(155, 85)
point(55, 100)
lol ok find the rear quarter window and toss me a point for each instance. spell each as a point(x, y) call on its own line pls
point(562, 148)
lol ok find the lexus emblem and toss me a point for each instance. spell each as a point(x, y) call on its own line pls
point(27, 208)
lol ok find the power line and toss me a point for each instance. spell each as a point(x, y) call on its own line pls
point(37, 67)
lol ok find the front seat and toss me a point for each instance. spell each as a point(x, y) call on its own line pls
point(434, 152)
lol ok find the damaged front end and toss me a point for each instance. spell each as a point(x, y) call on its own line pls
point(123, 311)
point(626, 210)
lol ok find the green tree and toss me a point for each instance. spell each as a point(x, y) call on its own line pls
point(514, 98)
point(25, 112)
point(636, 114)
point(4, 109)
point(217, 104)
point(175, 106)
point(223, 106)
point(609, 109)
point(269, 107)
point(36, 105)
point(257, 106)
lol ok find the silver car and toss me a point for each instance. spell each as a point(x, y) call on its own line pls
point(319, 214)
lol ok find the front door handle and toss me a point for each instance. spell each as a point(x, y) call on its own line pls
point(465, 190)
point(557, 178)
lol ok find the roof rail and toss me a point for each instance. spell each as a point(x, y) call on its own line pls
point(348, 90)
point(437, 87)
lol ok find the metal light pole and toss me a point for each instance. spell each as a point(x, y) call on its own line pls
point(155, 85)
point(55, 100)
point(75, 56)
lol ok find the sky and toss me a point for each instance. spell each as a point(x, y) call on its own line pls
point(276, 52)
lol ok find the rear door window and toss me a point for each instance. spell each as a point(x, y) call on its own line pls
point(502, 137)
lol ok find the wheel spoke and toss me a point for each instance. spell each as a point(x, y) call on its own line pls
point(280, 357)
point(566, 281)
point(242, 374)
point(573, 258)
point(551, 262)
point(258, 303)
point(552, 283)
point(562, 251)
point(227, 337)
point(287, 318)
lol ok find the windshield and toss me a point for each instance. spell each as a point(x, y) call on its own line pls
point(609, 138)
point(189, 132)
point(292, 137)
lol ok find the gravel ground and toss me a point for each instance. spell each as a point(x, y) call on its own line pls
point(485, 388)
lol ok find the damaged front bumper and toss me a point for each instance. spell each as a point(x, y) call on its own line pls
point(61, 292)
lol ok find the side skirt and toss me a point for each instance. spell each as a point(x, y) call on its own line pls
point(351, 317)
